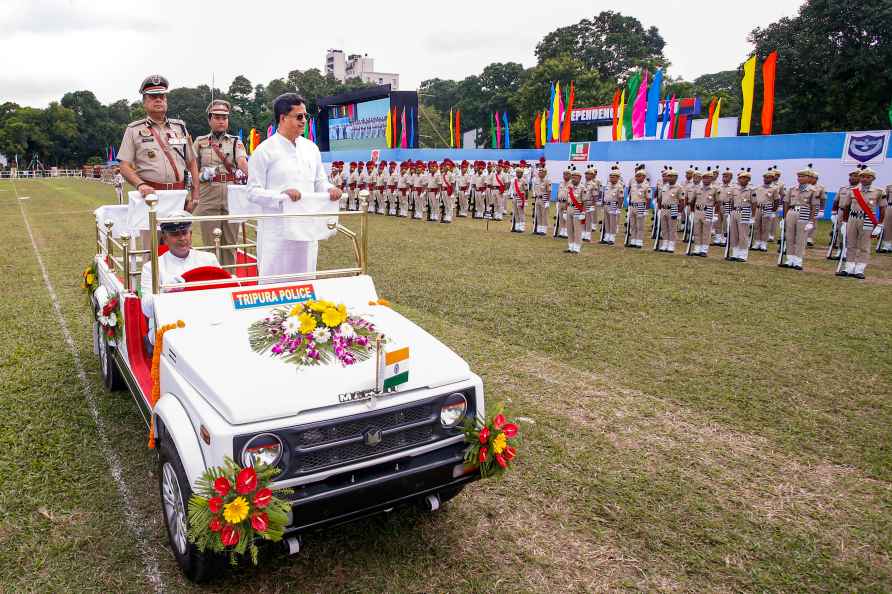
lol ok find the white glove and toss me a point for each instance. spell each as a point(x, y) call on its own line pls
point(715, 218)
point(876, 231)
point(809, 226)
point(207, 174)
point(239, 174)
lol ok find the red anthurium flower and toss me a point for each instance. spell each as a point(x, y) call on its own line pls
point(222, 486)
point(498, 421)
point(215, 504)
point(246, 481)
point(263, 498)
point(230, 535)
point(510, 452)
point(260, 522)
point(501, 461)
point(215, 524)
point(510, 429)
point(484, 435)
point(484, 452)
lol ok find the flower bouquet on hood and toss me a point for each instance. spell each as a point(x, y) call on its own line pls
point(313, 332)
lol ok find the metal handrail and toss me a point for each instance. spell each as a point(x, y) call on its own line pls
point(360, 249)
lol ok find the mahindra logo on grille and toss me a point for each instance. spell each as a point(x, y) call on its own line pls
point(372, 437)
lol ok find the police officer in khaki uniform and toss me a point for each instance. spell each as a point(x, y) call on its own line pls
point(821, 194)
point(156, 151)
point(592, 195)
point(463, 181)
point(860, 215)
point(560, 220)
point(702, 204)
point(575, 210)
point(764, 207)
point(885, 241)
point(667, 203)
point(781, 195)
point(800, 208)
point(614, 195)
point(639, 194)
point(741, 217)
point(519, 192)
point(725, 198)
point(222, 160)
point(541, 197)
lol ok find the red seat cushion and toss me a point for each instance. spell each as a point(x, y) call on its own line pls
point(204, 273)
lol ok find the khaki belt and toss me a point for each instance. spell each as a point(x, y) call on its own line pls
point(160, 186)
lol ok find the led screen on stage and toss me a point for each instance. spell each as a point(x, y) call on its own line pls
point(358, 125)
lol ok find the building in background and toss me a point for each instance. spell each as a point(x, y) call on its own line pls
point(343, 66)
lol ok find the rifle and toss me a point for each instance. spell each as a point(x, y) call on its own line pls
point(689, 222)
point(843, 253)
point(834, 237)
point(628, 234)
point(657, 224)
point(880, 239)
point(782, 243)
point(727, 231)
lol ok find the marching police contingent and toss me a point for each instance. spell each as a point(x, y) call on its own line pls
point(157, 153)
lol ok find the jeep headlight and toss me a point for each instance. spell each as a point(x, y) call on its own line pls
point(266, 448)
point(453, 410)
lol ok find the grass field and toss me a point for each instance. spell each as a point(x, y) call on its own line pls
point(694, 425)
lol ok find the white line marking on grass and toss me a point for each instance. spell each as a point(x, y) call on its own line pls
point(150, 563)
point(23, 197)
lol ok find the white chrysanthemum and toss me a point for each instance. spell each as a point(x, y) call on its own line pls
point(346, 330)
point(291, 326)
point(102, 296)
point(112, 319)
point(103, 321)
point(321, 335)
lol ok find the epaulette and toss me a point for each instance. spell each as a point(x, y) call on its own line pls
point(137, 123)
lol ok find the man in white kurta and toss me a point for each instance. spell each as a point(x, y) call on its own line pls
point(179, 258)
point(285, 166)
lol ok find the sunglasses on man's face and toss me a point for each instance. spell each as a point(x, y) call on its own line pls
point(299, 116)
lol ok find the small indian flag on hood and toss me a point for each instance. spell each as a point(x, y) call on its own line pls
point(395, 368)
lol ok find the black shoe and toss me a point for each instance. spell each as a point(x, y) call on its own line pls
point(809, 244)
point(701, 255)
point(797, 267)
point(568, 251)
point(860, 275)
point(842, 273)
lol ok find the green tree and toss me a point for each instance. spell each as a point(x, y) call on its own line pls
point(610, 43)
point(833, 66)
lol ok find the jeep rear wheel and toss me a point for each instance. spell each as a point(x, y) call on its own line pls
point(111, 375)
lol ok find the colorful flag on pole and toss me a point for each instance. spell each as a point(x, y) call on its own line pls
point(638, 111)
point(673, 112)
point(537, 121)
point(240, 135)
point(664, 122)
point(560, 112)
point(747, 86)
point(653, 105)
point(550, 109)
point(412, 142)
point(451, 129)
point(492, 129)
point(568, 115)
point(615, 112)
point(543, 131)
point(708, 132)
point(395, 368)
point(769, 71)
point(458, 138)
point(715, 119)
point(507, 129)
point(388, 133)
point(621, 117)
point(631, 94)
point(403, 127)
point(498, 131)
point(555, 124)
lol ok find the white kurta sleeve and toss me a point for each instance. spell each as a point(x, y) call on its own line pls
point(322, 184)
point(259, 191)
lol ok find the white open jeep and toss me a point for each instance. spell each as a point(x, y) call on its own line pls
point(346, 448)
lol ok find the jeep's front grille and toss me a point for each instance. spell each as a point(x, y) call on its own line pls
point(329, 444)
point(317, 459)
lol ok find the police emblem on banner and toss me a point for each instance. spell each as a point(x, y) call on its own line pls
point(866, 147)
point(579, 151)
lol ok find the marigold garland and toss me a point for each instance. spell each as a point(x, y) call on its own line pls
point(155, 394)
point(491, 446)
point(232, 506)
